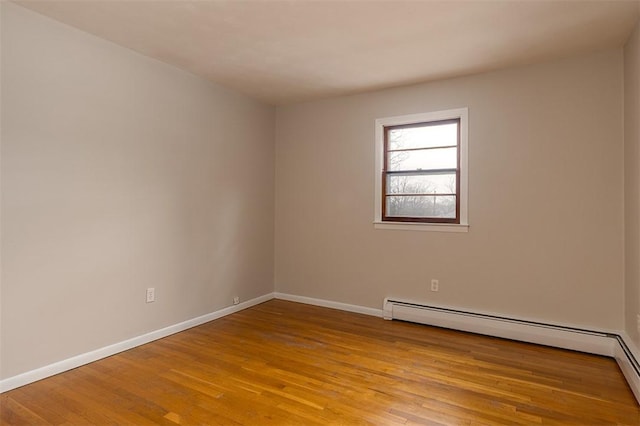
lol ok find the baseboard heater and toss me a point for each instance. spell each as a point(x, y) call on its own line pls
point(578, 339)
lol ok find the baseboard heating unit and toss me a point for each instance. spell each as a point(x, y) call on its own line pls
point(612, 345)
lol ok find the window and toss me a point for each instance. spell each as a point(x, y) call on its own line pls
point(421, 171)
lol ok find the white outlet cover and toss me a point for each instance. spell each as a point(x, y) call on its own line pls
point(151, 295)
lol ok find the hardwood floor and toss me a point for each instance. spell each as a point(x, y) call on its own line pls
point(284, 363)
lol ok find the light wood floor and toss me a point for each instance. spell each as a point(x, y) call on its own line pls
point(285, 363)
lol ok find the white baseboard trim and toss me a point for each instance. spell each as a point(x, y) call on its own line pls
point(627, 356)
point(330, 304)
point(88, 357)
point(497, 326)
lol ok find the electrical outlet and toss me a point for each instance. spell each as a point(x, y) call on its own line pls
point(151, 295)
point(435, 285)
point(236, 300)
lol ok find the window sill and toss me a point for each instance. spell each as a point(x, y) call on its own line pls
point(431, 227)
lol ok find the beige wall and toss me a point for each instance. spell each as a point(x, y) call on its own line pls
point(121, 173)
point(545, 200)
point(632, 182)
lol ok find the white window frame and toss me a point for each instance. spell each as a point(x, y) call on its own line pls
point(381, 123)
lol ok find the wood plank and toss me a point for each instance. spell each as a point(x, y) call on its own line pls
point(288, 363)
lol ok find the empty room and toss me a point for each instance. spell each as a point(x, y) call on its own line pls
point(307, 212)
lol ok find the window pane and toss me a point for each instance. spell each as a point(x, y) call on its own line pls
point(424, 159)
point(424, 137)
point(422, 206)
point(421, 184)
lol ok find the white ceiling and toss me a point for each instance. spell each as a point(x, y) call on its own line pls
point(289, 51)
